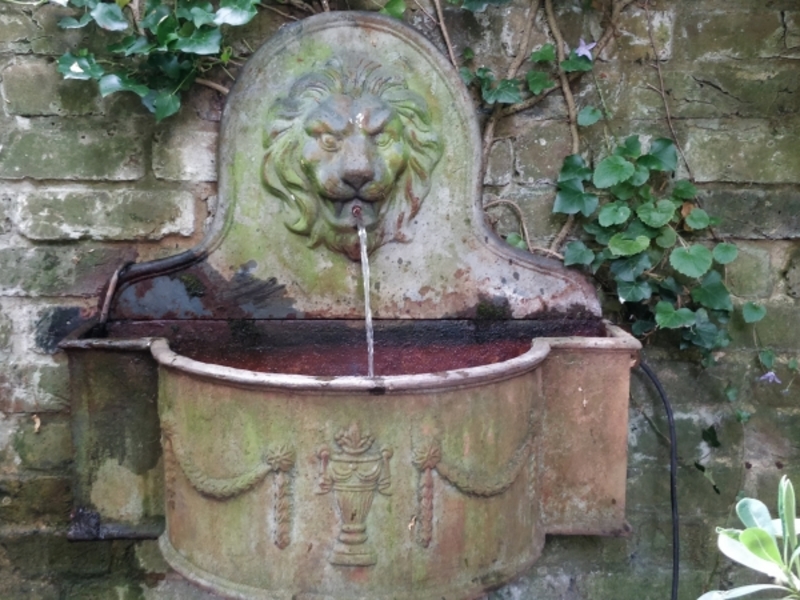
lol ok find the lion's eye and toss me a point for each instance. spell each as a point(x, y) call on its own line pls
point(329, 142)
point(383, 139)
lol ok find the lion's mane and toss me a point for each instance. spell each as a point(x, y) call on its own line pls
point(282, 170)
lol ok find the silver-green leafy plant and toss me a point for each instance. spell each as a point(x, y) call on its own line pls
point(766, 545)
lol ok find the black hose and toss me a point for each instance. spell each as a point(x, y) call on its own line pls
point(673, 476)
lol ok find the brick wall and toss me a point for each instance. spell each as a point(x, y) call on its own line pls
point(87, 184)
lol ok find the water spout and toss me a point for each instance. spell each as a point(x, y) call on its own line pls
point(362, 240)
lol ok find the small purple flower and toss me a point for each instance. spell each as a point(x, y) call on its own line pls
point(585, 49)
point(770, 377)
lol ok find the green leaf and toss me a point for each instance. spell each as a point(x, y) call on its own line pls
point(629, 269)
point(641, 327)
point(634, 291)
point(656, 215)
point(761, 543)
point(108, 15)
point(684, 190)
point(623, 191)
point(121, 83)
point(73, 23)
point(468, 54)
point(571, 199)
point(153, 17)
point(611, 171)
point(576, 63)
point(576, 253)
point(79, 67)
point(203, 41)
point(394, 8)
point(235, 12)
point(754, 514)
point(752, 312)
point(480, 5)
point(505, 92)
point(662, 156)
point(589, 115)
point(712, 293)
point(620, 245)
point(736, 550)
point(538, 82)
point(697, 219)
point(669, 318)
point(467, 76)
point(725, 253)
point(614, 213)
point(166, 104)
point(731, 392)
point(767, 358)
point(574, 167)
point(667, 237)
point(630, 148)
point(793, 365)
point(640, 176)
point(516, 240)
point(694, 261)
point(132, 45)
point(787, 512)
point(742, 416)
point(545, 54)
point(705, 334)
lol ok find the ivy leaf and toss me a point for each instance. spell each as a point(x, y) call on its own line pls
point(640, 175)
point(634, 291)
point(630, 148)
point(697, 219)
point(725, 253)
point(516, 240)
point(601, 234)
point(611, 171)
point(121, 83)
point(693, 261)
point(712, 293)
point(656, 215)
point(642, 326)
point(669, 318)
point(506, 92)
point(614, 213)
point(467, 76)
point(767, 358)
point(539, 82)
point(667, 238)
point(153, 17)
point(480, 5)
point(574, 167)
point(108, 15)
point(165, 104)
point(132, 45)
point(235, 12)
point(202, 41)
point(576, 63)
point(684, 190)
point(82, 66)
point(545, 54)
point(589, 115)
point(623, 191)
point(753, 312)
point(73, 23)
point(731, 392)
point(629, 269)
point(202, 15)
point(620, 245)
point(571, 199)
point(468, 54)
point(394, 8)
point(576, 253)
point(662, 156)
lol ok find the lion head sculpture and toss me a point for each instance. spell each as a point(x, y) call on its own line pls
point(348, 146)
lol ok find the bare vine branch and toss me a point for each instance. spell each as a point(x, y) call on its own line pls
point(445, 33)
point(214, 86)
point(503, 202)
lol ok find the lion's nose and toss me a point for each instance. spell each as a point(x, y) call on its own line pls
point(358, 168)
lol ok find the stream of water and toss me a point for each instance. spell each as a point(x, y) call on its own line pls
point(362, 239)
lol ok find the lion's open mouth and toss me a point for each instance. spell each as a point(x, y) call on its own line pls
point(343, 216)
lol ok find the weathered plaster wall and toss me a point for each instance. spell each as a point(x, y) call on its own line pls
point(87, 184)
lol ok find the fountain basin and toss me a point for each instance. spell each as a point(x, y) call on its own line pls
point(438, 484)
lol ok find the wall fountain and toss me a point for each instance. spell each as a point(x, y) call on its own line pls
point(237, 371)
